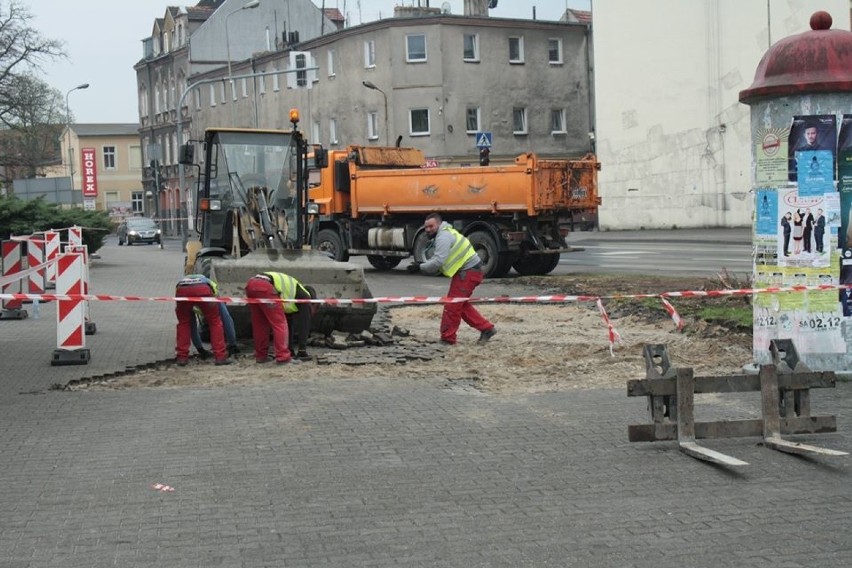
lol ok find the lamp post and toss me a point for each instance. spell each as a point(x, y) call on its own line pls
point(370, 85)
point(70, 167)
point(246, 6)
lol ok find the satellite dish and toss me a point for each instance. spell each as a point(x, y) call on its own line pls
point(446, 8)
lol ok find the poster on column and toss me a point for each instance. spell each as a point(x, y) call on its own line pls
point(844, 153)
point(802, 241)
point(811, 149)
point(771, 156)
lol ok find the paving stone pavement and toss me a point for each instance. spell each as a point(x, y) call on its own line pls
point(369, 472)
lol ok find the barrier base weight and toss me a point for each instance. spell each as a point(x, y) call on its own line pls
point(90, 328)
point(70, 357)
point(15, 314)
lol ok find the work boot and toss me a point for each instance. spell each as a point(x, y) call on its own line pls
point(223, 362)
point(182, 362)
point(203, 354)
point(288, 362)
point(302, 355)
point(233, 350)
point(486, 335)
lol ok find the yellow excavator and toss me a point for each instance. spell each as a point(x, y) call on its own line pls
point(251, 217)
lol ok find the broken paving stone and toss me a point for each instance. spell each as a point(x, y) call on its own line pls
point(400, 331)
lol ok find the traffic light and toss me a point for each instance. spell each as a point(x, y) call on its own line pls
point(483, 156)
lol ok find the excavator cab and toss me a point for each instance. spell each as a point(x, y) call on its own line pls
point(250, 217)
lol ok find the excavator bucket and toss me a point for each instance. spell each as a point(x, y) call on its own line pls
point(332, 281)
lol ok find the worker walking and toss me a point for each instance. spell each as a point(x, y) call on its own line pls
point(455, 258)
point(266, 317)
point(198, 286)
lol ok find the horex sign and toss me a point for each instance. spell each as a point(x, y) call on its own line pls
point(90, 172)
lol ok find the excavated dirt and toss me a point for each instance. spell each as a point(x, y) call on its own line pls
point(537, 348)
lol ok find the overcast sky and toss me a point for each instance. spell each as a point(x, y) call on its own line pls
point(103, 41)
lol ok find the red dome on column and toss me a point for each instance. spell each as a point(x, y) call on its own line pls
point(817, 61)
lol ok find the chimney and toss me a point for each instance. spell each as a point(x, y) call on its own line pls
point(476, 8)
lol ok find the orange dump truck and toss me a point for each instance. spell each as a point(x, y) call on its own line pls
point(373, 201)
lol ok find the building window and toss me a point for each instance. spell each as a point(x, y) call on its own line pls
point(516, 49)
point(472, 120)
point(261, 88)
point(196, 94)
point(332, 131)
point(233, 89)
point(222, 95)
point(554, 51)
point(244, 87)
point(212, 95)
point(275, 83)
point(370, 54)
point(415, 48)
point(109, 157)
point(315, 132)
point(372, 125)
point(419, 122)
point(519, 120)
point(134, 157)
point(301, 76)
point(136, 201)
point(471, 47)
point(330, 56)
point(557, 121)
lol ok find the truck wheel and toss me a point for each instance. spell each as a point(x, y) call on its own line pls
point(421, 251)
point(530, 264)
point(329, 242)
point(384, 262)
point(494, 264)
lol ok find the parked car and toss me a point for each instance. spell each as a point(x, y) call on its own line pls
point(138, 230)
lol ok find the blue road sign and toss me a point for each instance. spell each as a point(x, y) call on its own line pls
point(483, 139)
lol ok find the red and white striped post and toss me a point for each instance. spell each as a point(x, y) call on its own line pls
point(51, 253)
point(35, 257)
point(70, 319)
point(75, 236)
point(11, 265)
point(91, 328)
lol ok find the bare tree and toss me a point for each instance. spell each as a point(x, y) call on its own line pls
point(31, 112)
point(30, 140)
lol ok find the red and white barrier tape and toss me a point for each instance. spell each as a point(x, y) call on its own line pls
point(613, 334)
point(23, 274)
point(550, 299)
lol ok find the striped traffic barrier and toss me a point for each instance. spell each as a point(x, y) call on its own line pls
point(90, 326)
point(35, 257)
point(51, 253)
point(75, 236)
point(70, 314)
point(12, 309)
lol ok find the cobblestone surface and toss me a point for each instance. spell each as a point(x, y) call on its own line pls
point(367, 472)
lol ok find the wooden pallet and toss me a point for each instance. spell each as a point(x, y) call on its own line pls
point(785, 393)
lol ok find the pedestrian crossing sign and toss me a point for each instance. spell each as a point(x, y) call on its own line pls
point(483, 139)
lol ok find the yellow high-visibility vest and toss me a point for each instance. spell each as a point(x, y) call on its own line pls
point(460, 252)
point(286, 287)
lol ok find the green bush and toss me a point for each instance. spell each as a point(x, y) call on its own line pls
point(20, 218)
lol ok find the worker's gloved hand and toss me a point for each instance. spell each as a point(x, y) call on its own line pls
point(414, 267)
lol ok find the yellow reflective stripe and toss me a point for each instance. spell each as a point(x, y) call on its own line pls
point(460, 252)
point(286, 287)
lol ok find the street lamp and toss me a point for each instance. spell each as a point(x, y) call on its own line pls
point(370, 85)
point(246, 6)
point(70, 167)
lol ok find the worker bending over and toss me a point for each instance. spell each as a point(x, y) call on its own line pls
point(455, 258)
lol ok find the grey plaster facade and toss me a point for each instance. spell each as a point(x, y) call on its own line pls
point(446, 86)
